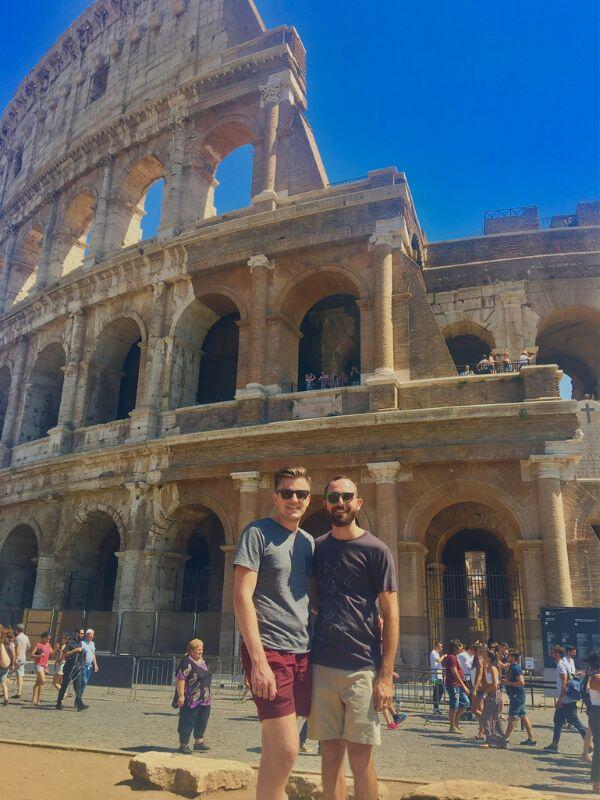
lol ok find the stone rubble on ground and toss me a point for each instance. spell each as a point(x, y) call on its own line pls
point(472, 790)
point(182, 774)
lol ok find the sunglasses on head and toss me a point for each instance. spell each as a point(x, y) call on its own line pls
point(334, 497)
point(287, 494)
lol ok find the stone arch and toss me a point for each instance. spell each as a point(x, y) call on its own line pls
point(18, 566)
point(303, 293)
point(128, 206)
point(24, 264)
point(569, 337)
point(218, 141)
point(465, 490)
point(114, 371)
point(88, 553)
point(70, 240)
point(44, 392)
point(204, 370)
point(468, 342)
point(166, 530)
point(5, 381)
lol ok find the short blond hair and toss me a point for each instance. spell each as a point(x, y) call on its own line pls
point(193, 643)
point(290, 473)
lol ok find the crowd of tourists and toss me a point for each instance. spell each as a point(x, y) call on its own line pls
point(327, 381)
point(495, 364)
point(73, 657)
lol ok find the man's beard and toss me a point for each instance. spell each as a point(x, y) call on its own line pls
point(343, 519)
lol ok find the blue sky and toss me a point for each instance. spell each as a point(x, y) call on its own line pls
point(482, 105)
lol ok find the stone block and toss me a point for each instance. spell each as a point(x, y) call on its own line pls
point(189, 775)
point(472, 790)
point(310, 787)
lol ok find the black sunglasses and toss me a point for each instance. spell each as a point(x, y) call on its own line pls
point(287, 494)
point(334, 497)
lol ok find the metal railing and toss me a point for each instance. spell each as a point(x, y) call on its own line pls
point(497, 368)
point(501, 213)
point(347, 180)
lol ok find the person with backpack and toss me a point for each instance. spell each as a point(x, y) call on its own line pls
point(593, 671)
point(568, 692)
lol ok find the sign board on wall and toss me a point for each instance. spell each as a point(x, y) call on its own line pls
point(579, 627)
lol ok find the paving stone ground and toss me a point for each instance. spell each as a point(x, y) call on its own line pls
point(419, 751)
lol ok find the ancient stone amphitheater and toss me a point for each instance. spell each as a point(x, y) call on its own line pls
point(149, 388)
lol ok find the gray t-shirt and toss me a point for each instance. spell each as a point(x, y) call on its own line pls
point(284, 563)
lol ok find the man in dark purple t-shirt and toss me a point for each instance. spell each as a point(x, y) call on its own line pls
point(352, 661)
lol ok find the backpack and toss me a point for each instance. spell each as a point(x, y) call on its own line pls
point(574, 688)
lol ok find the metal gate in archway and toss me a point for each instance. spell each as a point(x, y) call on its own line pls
point(475, 604)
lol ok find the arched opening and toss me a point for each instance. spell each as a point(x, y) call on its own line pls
point(44, 392)
point(152, 204)
point(202, 580)
point(233, 180)
point(114, 373)
point(18, 564)
point(141, 191)
point(330, 342)
point(5, 380)
point(92, 576)
point(72, 241)
point(24, 266)
point(468, 343)
point(569, 337)
point(476, 592)
point(225, 168)
point(205, 353)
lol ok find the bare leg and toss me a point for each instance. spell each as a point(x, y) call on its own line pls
point(332, 760)
point(587, 743)
point(280, 745)
point(360, 757)
point(509, 727)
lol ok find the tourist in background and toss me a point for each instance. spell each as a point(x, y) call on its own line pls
point(193, 698)
point(7, 660)
point(515, 689)
point(436, 658)
point(492, 703)
point(72, 671)
point(41, 656)
point(22, 645)
point(566, 699)
point(593, 670)
point(59, 661)
point(458, 691)
point(89, 661)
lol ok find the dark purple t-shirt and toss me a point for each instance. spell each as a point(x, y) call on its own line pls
point(350, 575)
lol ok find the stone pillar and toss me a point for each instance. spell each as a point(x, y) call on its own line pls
point(51, 573)
point(413, 605)
point(9, 250)
point(145, 417)
point(44, 274)
point(44, 594)
point(549, 471)
point(529, 558)
point(98, 235)
point(435, 601)
point(260, 268)
point(248, 495)
point(385, 475)
point(400, 306)
point(9, 431)
point(61, 435)
point(128, 573)
point(228, 643)
point(383, 337)
point(171, 216)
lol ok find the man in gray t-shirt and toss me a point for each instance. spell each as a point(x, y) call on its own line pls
point(271, 596)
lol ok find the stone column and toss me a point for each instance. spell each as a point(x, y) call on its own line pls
point(385, 475)
point(61, 435)
point(44, 595)
point(248, 495)
point(44, 275)
point(171, 216)
point(260, 268)
point(529, 557)
point(400, 305)
point(128, 573)
point(9, 430)
point(413, 605)
point(435, 601)
point(9, 250)
point(383, 338)
point(99, 228)
point(549, 472)
point(51, 573)
point(145, 417)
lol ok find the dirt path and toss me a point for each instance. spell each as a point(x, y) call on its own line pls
point(31, 773)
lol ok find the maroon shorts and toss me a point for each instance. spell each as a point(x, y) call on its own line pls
point(293, 678)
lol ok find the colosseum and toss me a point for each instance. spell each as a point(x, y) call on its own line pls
point(150, 387)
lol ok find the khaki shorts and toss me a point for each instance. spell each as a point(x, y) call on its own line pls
point(342, 706)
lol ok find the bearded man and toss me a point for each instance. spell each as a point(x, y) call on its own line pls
point(352, 659)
